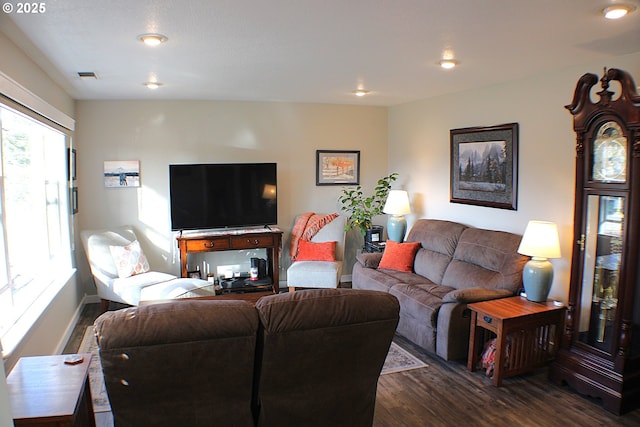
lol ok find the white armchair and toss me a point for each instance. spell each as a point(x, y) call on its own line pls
point(112, 285)
point(321, 274)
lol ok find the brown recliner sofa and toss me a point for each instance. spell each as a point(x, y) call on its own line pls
point(455, 265)
point(306, 358)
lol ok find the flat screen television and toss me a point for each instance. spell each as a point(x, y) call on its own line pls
point(222, 195)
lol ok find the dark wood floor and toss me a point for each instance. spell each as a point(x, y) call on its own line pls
point(446, 394)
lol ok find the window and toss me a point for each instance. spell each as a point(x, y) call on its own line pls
point(34, 212)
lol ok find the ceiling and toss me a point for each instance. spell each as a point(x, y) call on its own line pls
point(313, 50)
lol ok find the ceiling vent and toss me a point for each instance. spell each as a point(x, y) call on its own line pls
point(87, 75)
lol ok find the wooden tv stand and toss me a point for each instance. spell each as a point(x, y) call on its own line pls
point(231, 240)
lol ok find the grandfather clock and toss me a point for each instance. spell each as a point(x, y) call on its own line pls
point(600, 352)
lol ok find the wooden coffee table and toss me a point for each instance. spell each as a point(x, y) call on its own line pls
point(208, 293)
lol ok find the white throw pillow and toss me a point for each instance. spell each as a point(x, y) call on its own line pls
point(129, 260)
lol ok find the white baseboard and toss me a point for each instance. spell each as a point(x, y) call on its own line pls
point(91, 299)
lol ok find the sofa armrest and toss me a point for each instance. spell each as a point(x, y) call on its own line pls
point(470, 295)
point(369, 260)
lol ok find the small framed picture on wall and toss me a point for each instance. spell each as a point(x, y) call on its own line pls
point(122, 173)
point(74, 200)
point(71, 164)
point(337, 167)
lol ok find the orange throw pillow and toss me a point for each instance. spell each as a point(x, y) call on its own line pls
point(399, 256)
point(312, 251)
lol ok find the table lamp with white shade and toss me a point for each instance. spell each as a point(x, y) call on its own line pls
point(540, 241)
point(397, 206)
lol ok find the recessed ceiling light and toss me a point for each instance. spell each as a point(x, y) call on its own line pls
point(152, 39)
point(360, 92)
point(617, 11)
point(152, 85)
point(448, 63)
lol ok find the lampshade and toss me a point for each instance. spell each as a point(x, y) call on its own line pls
point(540, 240)
point(397, 203)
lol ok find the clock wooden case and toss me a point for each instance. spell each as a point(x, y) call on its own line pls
point(600, 350)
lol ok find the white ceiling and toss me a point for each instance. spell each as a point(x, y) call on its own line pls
point(312, 50)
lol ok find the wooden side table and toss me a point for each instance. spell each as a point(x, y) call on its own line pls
point(44, 391)
point(527, 334)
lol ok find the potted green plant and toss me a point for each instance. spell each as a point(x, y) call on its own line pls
point(361, 208)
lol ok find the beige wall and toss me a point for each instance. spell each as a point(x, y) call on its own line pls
point(19, 67)
point(419, 148)
point(159, 133)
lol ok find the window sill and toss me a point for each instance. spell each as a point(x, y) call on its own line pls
point(14, 336)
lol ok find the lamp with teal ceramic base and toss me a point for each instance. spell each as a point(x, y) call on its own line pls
point(397, 205)
point(537, 277)
point(540, 241)
point(396, 228)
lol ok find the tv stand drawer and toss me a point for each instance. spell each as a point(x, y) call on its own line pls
point(250, 242)
point(207, 245)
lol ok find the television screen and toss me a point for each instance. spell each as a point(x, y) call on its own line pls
point(222, 195)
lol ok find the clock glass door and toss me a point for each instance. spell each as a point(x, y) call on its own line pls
point(602, 240)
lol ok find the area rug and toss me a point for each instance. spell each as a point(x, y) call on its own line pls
point(399, 359)
point(96, 380)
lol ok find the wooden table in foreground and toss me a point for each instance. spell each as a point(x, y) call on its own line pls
point(527, 334)
point(44, 391)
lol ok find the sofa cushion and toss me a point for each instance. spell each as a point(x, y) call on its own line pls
point(420, 301)
point(373, 279)
point(487, 259)
point(399, 256)
point(384, 280)
point(314, 274)
point(369, 260)
point(470, 295)
point(438, 240)
point(419, 308)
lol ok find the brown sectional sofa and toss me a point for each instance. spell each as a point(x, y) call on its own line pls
point(308, 358)
point(455, 265)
